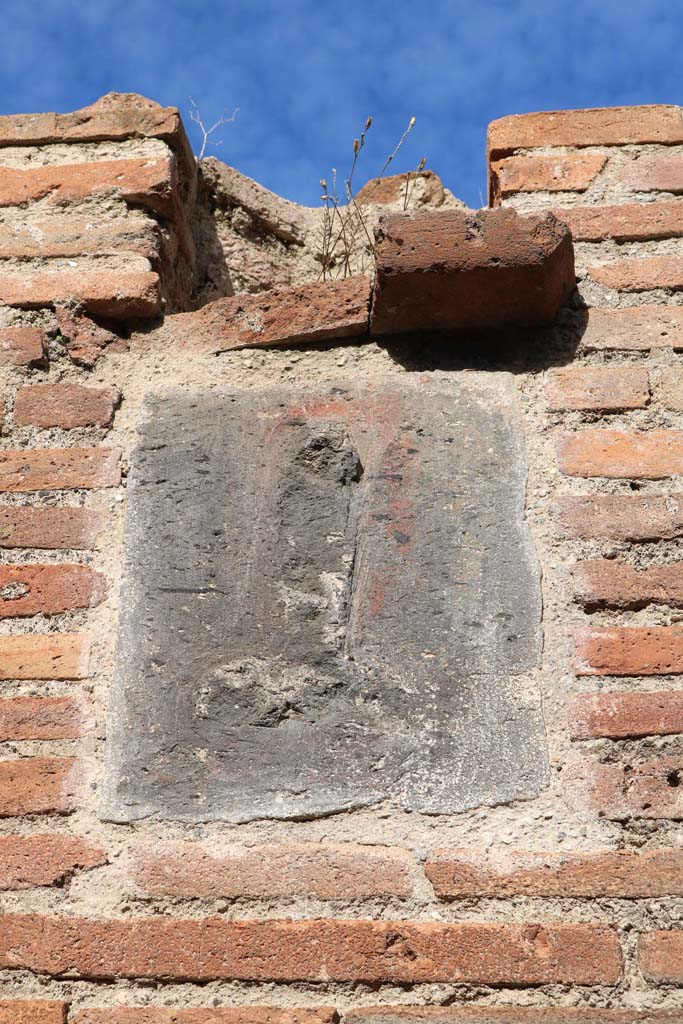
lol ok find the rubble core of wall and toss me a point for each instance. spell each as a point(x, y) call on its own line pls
point(562, 909)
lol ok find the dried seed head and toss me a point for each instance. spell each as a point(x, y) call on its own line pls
point(323, 184)
point(368, 123)
point(422, 163)
point(412, 122)
point(355, 146)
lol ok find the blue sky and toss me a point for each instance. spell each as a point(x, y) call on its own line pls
point(305, 74)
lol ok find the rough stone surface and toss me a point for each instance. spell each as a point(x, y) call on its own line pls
point(453, 269)
point(275, 627)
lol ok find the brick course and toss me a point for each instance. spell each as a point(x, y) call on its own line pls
point(34, 1011)
point(44, 860)
point(630, 651)
point(560, 173)
point(641, 789)
point(48, 589)
point(606, 388)
point(65, 405)
point(621, 454)
point(50, 528)
point(38, 785)
point(624, 715)
point(607, 581)
point(47, 469)
point(40, 718)
point(44, 656)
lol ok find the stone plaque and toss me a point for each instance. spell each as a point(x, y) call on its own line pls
point(330, 598)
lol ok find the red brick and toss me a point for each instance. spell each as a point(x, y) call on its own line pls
point(460, 1013)
point(44, 860)
point(597, 126)
point(620, 454)
point(660, 956)
point(391, 190)
point(640, 273)
point(40, 718)
point(15, 1011)
point(627, 222)
point(86, 340)
point(453, 269)
point(630, 651)
point(21, 346)
point(602, 387)
point(456, 874)
point(606, 581)
point(114, 293)
point(65, 405)
point(68, 235)
point(621, 516)
point(218, 1015)
point(48, 589)
point(654, 172)
point(329, 950)
point(284, 316)
point(322, 870)
point(23, 526)
point(623, 715)
point(670, 391)
point(650, 789)
point(570, 172)
point(38, 785)
point(48, 469)
point(44, 656)
point(634, 328)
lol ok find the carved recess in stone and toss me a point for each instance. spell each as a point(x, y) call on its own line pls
point(330, 599)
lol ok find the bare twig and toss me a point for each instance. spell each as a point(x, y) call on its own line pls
point(195, 116)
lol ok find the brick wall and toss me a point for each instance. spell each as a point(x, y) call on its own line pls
point(566, 907)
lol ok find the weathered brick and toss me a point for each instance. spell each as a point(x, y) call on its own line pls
point(282, 316)
point(650, 789)
point(86, 340)
point(15, 1011)
point(40, 718)
point(634, 328)
point(606, 581)
point(48, 469)
point(626, 222)
point(21, 346)
point(65, 405)
point(43, 860)
point(571, 172)
point(597, 126)
point(216, 1015)
point(38, 785)
point(460, 1013)
point(426, 187)
point(23, 526)
point(48, 589)
point(323, 870)
point(68, 235)
point(623, 715)
point(602, 387)
point(602, 873)
point(620, 454)
point(44, 656)
point(620, 516)
point(670, 390)
point(107, 292)
point(272, 950)
point(654, 172)
point(660, 956)
point(640, 273)
point(630, 651)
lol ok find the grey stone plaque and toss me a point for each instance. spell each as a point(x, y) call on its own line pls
point(330, 598)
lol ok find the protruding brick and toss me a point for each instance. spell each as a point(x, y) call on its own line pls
point(325, 871)
point(606, 581)
point(40, 718)
point(649, 789)
point(572, 172)
point(620, 454)
point(54, 469)
point(620, 715)
point(626, 222)
point(654, 172)
point(283, 316)
point(65, 405)
point(44, 656)
point(61, 527)
point(450, 269)
point(216, 1015)
point(43, 860)
point(35, 1011)
point(630, 651)
point(634, 328)
point(598, 387)
point(272, 950)
point(107, 292)
point(670, 390)
point(38, 785)
point(48, 589)
point(640, 273)
point(620, 516)
point(660, 956)
point(21, 346)
point(457, 874)
point(597, 126)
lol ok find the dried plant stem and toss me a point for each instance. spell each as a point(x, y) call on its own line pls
point(195, 116)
